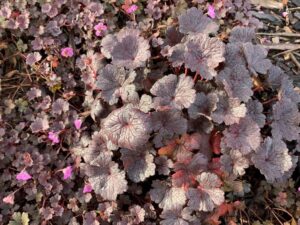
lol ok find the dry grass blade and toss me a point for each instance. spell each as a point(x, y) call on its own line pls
point(290, 47)
point(271, 4)
point(293, 58)
point(280, 34)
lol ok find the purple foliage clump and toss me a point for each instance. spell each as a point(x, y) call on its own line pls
point(140, 112)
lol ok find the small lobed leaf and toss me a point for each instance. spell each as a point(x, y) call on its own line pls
point(203, 54)
point(174, 91)
point(127, 127)
point(237, 82)
point(272, 159)
point(244, 136)
point(138, 164)
point(193, 21)
point(207, 195)
point(286, 119)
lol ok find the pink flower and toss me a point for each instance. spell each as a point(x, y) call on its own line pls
point(284, 14)
point(87, 188)
point(77, 124)
point(23, 176)
point(9, 199)
point(132, 9)
point(53, 137)
point(67, 52)
point(298, 189)
point(99, 28)
point(67, 172)
point(211, 11)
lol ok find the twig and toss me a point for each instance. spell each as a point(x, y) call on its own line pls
point(282, 46)
point(270, 100)
point(295, 60)
point(280, 34)
point(254, 213)
point(270, 4)
point(276, 216)
point(294, 9)
point(282, 210)
point(284, 52)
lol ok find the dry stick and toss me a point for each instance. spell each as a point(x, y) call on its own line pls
point(288, 47)
point(280, 34)
point(281, 46)
point(275, 216)
point(270, 100)
point(285, 52)
point(294, 9)
point(295, 60)
point(282, 210)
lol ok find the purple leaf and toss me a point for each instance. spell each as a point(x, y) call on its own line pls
point(244, 136)
point(115, 82)
point(237, 82)
point(272, 159)
point(177, 92)
point(138, 164)
point(127, 48)
point(286, 118)
point(229, 110)
point(127, 127)
point(193, 22)
point(203, 54)
point(241, 35)
point(207, 195)
point(105, 177)
point(256, 58)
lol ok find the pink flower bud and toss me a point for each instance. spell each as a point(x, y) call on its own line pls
point(67, 52)
point(67, 172)
point(99, 28)
point(53, 137)
point(77, 124)
point(9, 199)
point(132, 9)
point(211, 11)
point(284, 14)
point(23, 176)
point(87, 188)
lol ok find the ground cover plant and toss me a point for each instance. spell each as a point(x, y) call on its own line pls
point(150, 112)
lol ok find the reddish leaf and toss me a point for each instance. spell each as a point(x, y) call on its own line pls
point(220, 211)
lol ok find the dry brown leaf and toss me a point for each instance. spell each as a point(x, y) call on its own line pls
point(272, 4)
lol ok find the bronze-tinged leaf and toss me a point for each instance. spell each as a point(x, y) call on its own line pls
point(167, 150)
point(216, 142)
point(3, 45)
